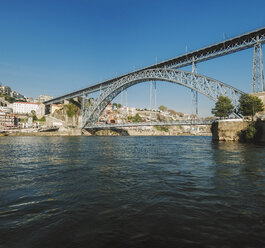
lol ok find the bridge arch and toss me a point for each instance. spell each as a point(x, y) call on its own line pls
point(209, 87)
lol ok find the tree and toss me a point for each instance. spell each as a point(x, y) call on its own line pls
point(162, 108)
point(71, 109)
point(248, 134)
point(119, 105)
point(173, 112)
point(136, 118)
point(223, 107)
point(33, 114)
point(42, 119)
point(250, 105)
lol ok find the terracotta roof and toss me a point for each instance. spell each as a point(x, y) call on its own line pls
point(28, 102)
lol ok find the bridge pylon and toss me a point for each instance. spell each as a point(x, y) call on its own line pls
point(257, 84)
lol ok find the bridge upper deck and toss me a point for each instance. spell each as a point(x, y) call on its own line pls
point(229, 46)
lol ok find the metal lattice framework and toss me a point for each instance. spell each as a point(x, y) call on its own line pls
point(209, 87)
point(257, 84)
point(223, 48)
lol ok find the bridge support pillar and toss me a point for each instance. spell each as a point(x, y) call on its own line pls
point(47, 109)
point(195, 101)
point(194, 93)
point(257, 84)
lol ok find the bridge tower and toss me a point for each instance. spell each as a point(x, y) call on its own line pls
point(257, 84)
point(194, 93)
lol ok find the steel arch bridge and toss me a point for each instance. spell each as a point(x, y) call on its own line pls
point(209, 87)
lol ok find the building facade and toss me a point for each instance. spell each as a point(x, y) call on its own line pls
point(7, 120)
point(55, 107)
point(24, 107)
point(6, 109)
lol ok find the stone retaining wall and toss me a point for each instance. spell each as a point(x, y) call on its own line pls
point(229, 130)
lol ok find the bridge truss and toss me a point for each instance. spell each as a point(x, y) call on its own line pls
point(168, 71)
point(236, 44)
point(209, 87)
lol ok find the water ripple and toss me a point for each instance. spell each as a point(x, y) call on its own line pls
point(131, 192)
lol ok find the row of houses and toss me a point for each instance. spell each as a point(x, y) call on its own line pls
point(9, 115)
point(8, 119)
point(112, 114)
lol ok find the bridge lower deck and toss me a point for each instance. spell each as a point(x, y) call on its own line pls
point(143, 124)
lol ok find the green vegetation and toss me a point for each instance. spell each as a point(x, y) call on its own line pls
point(8, 98)
point(2, 95)
point(161, 128)
point(23, 120)
point(117, 105)
point(42, 119)
point(136, 118)
point(250, 105)
point(248, 134)
point(71, 109)
point(223, 107)
point(33, 114)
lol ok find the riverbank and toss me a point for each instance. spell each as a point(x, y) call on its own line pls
point(103, 133)
point(129, 131)
point(40, 134)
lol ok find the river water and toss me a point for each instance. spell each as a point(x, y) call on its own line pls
point(131, 192)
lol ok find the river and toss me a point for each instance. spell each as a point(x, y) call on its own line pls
point(131, 192)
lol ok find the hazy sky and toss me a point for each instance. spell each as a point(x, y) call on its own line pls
point(56, 46)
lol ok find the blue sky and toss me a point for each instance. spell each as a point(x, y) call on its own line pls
point(56, 46)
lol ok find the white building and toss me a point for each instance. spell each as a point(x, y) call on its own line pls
point(44, 98)
point(131, 111)
point(25, 107)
